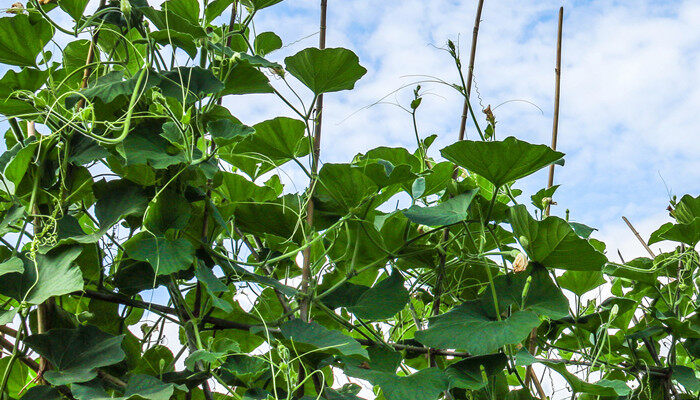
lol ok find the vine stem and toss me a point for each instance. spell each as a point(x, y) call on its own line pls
point(315, 155)
point(470, 72)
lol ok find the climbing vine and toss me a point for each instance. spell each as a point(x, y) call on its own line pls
point(134, 203)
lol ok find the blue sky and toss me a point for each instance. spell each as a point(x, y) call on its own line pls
point(630, 91)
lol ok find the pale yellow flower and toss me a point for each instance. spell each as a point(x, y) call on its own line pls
point(520, 263)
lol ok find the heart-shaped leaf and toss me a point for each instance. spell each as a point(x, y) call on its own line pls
point(76, 353)
point(501, 161)
point(325, 70)
point(553, 243)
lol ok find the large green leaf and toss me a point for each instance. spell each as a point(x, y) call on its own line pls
point(116, 199)
point(21, 40)
point(341, 188)
point(110, 86)
point(226, 131)
point(167, 212)
point(603, 387)
point(426, 384)
point(166, 256)
point(42, 392)
point(317, 336)
point(274, 142)
point(580, 282)
point(687, 209)
point(553, 243)
point(53, 274)
point(244, 78)
point(503, 161)
point(382, 300)
point(467, 373)
point(470, 327)
point(74, 8)
point(267, 42)
point(27, 79)
point(259, 4)
point(76, 353)
point(188, 84)
point(16, 378)
point(450, 212)
point(325, 70)
point(139, 387)
point(688, 233)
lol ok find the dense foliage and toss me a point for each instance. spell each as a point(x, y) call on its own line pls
point(124, 173)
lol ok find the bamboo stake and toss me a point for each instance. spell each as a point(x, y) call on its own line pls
point(530, 373)
point(557, 90)
point(315, 154)
point(470, 72)
point(639, 237)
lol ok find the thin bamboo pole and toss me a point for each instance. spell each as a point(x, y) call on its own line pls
point(470, 72)
point(315, 155)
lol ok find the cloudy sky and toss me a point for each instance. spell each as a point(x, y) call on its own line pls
point(630, 91)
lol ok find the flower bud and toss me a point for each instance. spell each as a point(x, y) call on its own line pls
point(520, 263)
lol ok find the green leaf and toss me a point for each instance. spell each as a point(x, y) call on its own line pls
point(32, 36)
point(449, 212)
point(341, 188)
point(383, 300)
point(155, 361)
point(243, 78)
point(684, 233)
point(17, 378)
point(687, 209)
point(13, 265)
point(139, 387)
point(74, 8)
point(384, 173)
point(216, 8)
point(580, 282)
point(501, 161)
point(117, 199)
point(266, 43)
point(225, 131)
point(426, 384)
point(166, 256)
point(275, 142)
point(601, 388)
point(177, 39)
point(144, 145)
point(187, 9)
point(582, 230)
point(42, 392)
point(686, 377)
point(188, 84)
point(316, 336)
point(544, 297)
point(259, 4)
point(466, 374)
point(537, 198)
point(76, 353)
point(553, 243)
point(110, 86)
point(468, 326)
point(12, 215)
point(325, 70)
point(74, 56)
point(53, 274)
point(27, 79)
point(167, 212)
